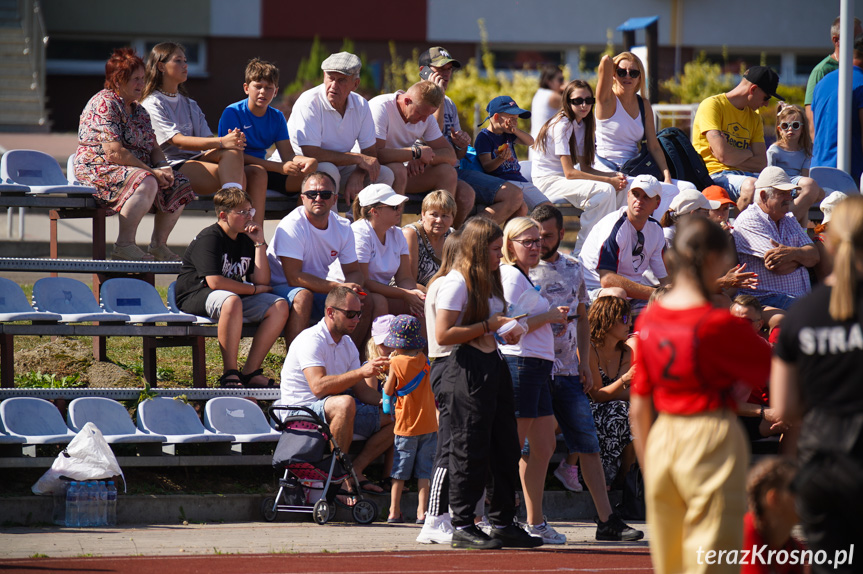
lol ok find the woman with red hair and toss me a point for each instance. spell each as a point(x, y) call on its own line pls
point(118, 155)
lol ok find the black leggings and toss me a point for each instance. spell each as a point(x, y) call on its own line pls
point(483, 440)
point(439, 492)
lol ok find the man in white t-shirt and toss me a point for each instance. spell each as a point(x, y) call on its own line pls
point(330, 120)
point(322, 372)
point(410, 143)
point(625, 244)
point(303, 254)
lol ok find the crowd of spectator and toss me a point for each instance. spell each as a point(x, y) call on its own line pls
point(505, 386)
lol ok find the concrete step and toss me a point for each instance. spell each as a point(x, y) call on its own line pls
point(15, 66)
point(18, 93)
point(12, 33)
point(17, 82)
point(20, 105)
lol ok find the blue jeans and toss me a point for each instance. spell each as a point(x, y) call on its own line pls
point(731, 181)
point(573, 414)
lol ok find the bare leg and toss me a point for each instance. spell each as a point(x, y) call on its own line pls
point(268, 331)
point(508, 202)
point(594, 476)
point(810, 192)
point(256, 187)
point(423, 497)
point(230, 330)
point(396, 498)
point(533, 468)
point(747, 194)
point(135, 208)
point(301, 313)
point(163, 225)
point(400, 177)
point(465, 196)
point(361, 332)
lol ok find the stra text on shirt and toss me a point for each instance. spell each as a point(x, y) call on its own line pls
point(831, 340)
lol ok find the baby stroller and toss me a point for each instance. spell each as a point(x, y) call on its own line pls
point(312, 479)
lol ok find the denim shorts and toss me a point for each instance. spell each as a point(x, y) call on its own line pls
point(414, 456)
point(573, 414)
point(530, 378)
point(483, 184)
point(289, 293)
point(778, 300)
point(367, 420)
point(731, 181)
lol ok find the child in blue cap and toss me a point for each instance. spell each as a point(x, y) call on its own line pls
point(416, 420)
point(495, 147)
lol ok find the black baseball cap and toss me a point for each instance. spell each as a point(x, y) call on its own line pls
point(765, 78)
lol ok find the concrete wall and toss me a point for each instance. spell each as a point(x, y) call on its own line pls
point(160, 18)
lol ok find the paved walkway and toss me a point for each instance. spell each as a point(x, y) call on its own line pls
point(249, 538)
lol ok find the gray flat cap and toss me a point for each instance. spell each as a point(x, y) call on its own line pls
point(343, 63)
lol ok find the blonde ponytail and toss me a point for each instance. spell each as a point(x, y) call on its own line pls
point(846, 235)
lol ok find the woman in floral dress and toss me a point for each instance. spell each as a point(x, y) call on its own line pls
point(117, 154)
point(610, 358)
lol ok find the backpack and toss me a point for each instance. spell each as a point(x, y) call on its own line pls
point(683, 161)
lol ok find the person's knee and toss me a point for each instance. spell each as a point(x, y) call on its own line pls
point(279, 310)
point(375, 305)
point(464, 196)
point(303, 303)
point(747, 194)
point(231, 307)
point(341, 409)
point(810, 190)
point(148, 188)
point(386, 176)
point(447, 177)
point(510, 195)
point(256, 179)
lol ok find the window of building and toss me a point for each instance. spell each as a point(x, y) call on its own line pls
point(88, 56)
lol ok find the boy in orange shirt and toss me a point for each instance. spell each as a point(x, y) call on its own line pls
point(416, 420)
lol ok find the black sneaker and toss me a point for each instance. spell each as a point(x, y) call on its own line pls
point(473, 538)
point(514, 537)
point(616, 529)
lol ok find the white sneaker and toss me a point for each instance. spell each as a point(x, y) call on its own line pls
point(568, 475)
point(548, 534)
point(436, 530)
point(484, 525)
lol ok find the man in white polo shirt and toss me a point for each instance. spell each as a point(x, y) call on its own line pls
point(410, 142)
point(322, 372)
point(329, 121)
point(302, 253)
point(625, 244)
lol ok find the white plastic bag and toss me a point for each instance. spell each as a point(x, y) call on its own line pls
point(87, 457)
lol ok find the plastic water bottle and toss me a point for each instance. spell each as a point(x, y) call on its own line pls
point(387, 403)
point(84, 504)
point(72, 505)
point(111, 510)
point(103, 504)
point(58, 516)
point(93, 497)
point(526, 302)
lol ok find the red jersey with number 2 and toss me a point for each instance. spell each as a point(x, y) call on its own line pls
point(688, 359)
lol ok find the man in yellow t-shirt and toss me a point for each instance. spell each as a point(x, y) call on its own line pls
point(729, 135)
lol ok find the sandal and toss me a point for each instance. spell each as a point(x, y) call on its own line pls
point(163, 253)
point(231, 379)
point(247, 379)
point(365, 483)
point(129, 252)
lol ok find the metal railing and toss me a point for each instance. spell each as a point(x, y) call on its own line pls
point(36, 38)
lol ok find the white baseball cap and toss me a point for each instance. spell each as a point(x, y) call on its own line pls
point(648, 184)
point(829, 203)
point(380, 193)
point(688, 200)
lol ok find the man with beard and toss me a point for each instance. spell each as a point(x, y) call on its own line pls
point(561, 282)
point(772, 244)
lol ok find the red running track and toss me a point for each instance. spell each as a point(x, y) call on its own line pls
point(630, 561)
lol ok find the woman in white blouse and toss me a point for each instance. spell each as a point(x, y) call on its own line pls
point(188, 143)
point(382, 252)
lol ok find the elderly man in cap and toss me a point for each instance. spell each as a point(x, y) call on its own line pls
point(502, 199)
point(624, 245)
point(772, 244)
point(410, 142)
point(330, 120)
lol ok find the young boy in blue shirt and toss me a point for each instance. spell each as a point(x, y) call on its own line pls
point(495, 147)
point(264, 126)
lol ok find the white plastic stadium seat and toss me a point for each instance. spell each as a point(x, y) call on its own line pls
point(831, 179)
point(40, 172)
point(110, 417)
point(71, 299)
point(176, 421)
point(15, 307)
point(238, 417)
point(139, 300)
point(35, 420)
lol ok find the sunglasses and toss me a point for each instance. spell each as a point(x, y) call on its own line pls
point(633, 73)
point(246, 212)
point(528, 243)
point(350, 314)
point(639, 244)
point(578, 101)
point(795, 125)
point(325, 195)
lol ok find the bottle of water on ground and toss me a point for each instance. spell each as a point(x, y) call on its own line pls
point(111, 511)
point(72, 505)
point(103, 504)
